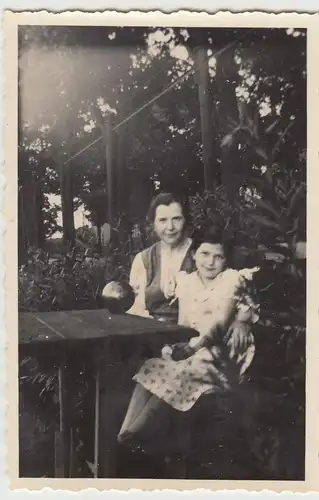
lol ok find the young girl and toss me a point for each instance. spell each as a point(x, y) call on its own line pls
point(208, 300)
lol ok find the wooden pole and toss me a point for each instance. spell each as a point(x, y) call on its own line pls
point(109, 168)
point(202, 77)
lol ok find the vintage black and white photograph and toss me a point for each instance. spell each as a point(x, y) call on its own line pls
point(162, 252)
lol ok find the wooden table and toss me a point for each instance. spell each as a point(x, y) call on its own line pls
point(92, 332)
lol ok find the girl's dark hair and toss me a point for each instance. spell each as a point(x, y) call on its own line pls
point(214, 235)
point(168, 199)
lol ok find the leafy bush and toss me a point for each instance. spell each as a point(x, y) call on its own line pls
point(70, 282)
point(277, 434)
point(214, 207)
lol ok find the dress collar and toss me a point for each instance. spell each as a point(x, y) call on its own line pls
point(201, 287)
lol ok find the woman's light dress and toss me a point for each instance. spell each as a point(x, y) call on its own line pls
point(169, 264)
point(181, 383)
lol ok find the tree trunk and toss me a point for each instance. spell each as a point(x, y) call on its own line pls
point(99, 237)
point(226, 108)
point(204, 95)
point(67, 204)
point(122, 188)
point(121, 169)
point(109, 170)
point(30, 209)
point(39, 207)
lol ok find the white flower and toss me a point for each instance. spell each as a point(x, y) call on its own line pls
point(248, 273)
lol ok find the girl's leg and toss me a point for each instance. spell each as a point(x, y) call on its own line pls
point(138, 401)
point(150, 419)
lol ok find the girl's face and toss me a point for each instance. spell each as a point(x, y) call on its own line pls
point(169, 223)
point(210, 260)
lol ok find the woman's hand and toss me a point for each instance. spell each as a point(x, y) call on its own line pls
point(182, 351)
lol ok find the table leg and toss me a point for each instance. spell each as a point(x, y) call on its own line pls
point(62, 436)
point(71, 454)
point(105, 443)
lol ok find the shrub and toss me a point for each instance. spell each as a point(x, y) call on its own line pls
point(69, 282)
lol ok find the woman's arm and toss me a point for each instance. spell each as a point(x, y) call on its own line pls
point(138, 283)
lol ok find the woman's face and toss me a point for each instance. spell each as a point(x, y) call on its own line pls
point(210, 260)
point(169, 223)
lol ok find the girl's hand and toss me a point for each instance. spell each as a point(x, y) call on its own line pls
point(167, 352)
point(239, 336)
point(182, 351)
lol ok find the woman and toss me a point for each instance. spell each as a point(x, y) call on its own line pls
point(154, 270)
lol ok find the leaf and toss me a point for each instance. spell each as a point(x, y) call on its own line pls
point(281, 190)
point(286, 251)
point(263, 221)
point(274, 256)
point(271, 126)
point(264, 185)
point(266, 206)
point(227, 141)
point(261, 152)
point(294, 228)
point(295, 199)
